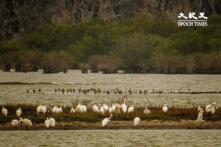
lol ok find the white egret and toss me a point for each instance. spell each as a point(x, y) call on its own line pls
point(200, 116)
point(95, 108)
point(54, 109)
point(124, 106)
point(26, 121)
point(110, 110)
point(52, 122)
point(79, 108)
point(102, 111)
point(113, 107)
point(47, 123)
point(105, 107)
point(72, 110)
point(210, 108)
point(14, 122)
point(131, 109)
point(4, 111)
point(106, 122)
point(165, 108)
point(18, 112)
point(136, 122)
point(84, 108)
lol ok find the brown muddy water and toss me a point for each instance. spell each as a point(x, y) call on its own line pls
point(15, 94)
point(122, 138)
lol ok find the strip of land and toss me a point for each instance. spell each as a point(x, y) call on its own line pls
point(120, 125)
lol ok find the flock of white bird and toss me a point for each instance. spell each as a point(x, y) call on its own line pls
point(115, 108)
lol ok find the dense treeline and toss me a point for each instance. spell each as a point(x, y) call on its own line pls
point(136, 42)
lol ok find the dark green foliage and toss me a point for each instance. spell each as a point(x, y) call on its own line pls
point(141, 44)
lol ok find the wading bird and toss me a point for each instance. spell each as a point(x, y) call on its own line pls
point(210, 108)
point(124, 106)
point(131, 109)
point(165, 108)
point(72, 110)
point(136, 122)
point(47, 123)
point(14, 122)
point(26, 121)
point(106, 122)
point(52, 122)
point(200, 116)
point(95, 108)
point(18, 112)
point(4, 111)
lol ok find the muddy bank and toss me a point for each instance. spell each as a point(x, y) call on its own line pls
point(120, 125)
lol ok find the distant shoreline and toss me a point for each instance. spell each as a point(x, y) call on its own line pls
point(120, 125)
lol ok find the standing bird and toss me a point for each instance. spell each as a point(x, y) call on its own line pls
point(26, 121)
point(210, 108)
point(72, 110)
point(165, 108)
point(131, 109)
point(19, 112)
point(14, 122)
point(136, 122)
point(200, 116)
point(4, 111)
point(95, 108)
point(106, 122)
point(124, 106)
point(147, 110)
point(52, 122)
point(27, 91)
point(47, 123)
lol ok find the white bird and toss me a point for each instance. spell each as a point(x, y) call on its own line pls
point(165, 108)
point(72, 110)
point(147, 110)
point(14, 122)
point(95, 108)
point(84, 108)
point(136, 122)
point(105, 107)
point(110, 110)
point(210, 108)
point(131, 109)
point(52, 122)
point(106, 121)
point(18, 112)
point(79, 108)
point(41, 109)
point(113, 107)
point(54, 109)
point(4, 111)
point(200, 116)
point(124, 106)
point(102, 111)
point(47, 123)
point(26, 121)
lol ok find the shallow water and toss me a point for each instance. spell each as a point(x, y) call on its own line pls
point(98, 138)
point(74, 79)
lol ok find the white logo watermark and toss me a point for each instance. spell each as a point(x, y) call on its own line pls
point(192, 20)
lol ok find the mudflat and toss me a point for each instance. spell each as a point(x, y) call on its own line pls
point(119, 125)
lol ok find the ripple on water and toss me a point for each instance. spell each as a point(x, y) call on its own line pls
point(17, 93)
point(112, 138)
